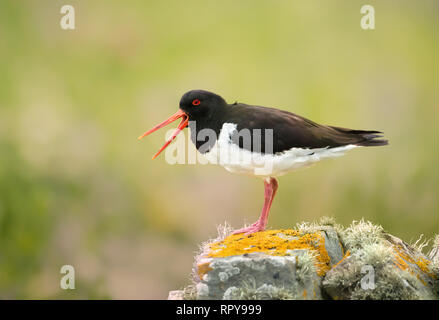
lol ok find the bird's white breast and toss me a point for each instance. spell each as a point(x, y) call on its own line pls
point(242, 161)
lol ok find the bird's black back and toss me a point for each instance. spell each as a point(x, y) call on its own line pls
point(292, 131)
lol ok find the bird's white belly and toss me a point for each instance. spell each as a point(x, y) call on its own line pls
point(242, 161)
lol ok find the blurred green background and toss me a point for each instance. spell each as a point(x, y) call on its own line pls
point(76, 187)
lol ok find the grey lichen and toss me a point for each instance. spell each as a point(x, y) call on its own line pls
point(388, 286)
point(396, 274)
point(434, 257)
point(361, 233)
point(324, 223)
point(434, 253)
point(190, 292)
point(264, 292)
point(376, 254)
point(421, 243)
point(346, 280)
point(306, 266)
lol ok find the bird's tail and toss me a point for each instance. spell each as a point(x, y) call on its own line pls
point(373, 139)
point(366, 138)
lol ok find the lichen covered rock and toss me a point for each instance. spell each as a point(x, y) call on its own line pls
point(380, 266)
point(273, 264)
point(314, 261)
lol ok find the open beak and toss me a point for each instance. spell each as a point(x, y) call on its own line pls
point(183, 124)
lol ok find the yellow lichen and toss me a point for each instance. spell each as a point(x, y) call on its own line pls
point(347, 254)
point(274, 242)
point(203, 268)
point(402, 260)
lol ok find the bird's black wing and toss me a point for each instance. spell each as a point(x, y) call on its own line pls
point(291, 131)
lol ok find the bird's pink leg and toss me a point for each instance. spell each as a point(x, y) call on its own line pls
point(271, 186)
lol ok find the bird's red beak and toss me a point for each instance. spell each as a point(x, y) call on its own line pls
point(183, 124)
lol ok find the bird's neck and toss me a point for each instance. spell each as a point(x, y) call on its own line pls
point(205, 130)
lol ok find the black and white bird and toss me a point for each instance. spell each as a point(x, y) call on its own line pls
point(260, 141)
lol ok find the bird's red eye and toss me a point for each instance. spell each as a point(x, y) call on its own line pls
point(196, 102)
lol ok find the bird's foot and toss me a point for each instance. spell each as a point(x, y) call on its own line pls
point(255, 227)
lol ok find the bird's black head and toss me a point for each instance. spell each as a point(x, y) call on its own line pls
point(199, 104)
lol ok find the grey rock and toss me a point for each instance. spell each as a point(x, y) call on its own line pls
point(258, 276)
point(333, 245)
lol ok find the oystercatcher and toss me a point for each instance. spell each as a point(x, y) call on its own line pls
point(260, 141)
